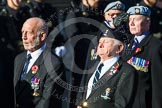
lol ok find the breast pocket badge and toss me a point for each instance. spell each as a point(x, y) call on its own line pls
point(106, 94)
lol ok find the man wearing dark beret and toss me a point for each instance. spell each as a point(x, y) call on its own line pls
point(111, 82)
point(145, 54)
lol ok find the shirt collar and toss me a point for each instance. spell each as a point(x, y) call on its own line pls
point(107, 22)
point(110, 61)
point(140, 38)
point(37, 52)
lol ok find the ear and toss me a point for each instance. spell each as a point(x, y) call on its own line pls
point(120, 48)
point(42, 36)
point(148, 21)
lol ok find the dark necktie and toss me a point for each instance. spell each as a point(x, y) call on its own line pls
point(23, 75)
point(135, 42)
point(97, 73)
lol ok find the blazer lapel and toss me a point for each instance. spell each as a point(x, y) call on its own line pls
point(19, 68)
point(38, 62)
point(29, 75)
point(107, 76)
point(87, 77)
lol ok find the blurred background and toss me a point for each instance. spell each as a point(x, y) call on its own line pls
point(59, 3)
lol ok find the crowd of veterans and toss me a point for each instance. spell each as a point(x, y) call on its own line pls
point(91, 54)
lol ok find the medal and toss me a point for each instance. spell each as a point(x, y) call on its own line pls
point(35, 85)
point(139, 64)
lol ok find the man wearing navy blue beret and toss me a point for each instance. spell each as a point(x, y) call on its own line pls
point(145, 55)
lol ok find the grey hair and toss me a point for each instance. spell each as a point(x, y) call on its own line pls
point(43, 26)
point(117, 42)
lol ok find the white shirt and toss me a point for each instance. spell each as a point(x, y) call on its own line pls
point(35, 56)
point(107, 65)
point(109, 24)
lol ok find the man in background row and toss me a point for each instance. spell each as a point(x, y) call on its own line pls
point(111, 11)
point(145, 54)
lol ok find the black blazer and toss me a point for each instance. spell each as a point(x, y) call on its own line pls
point(120, 85)
point(149, 51)
point(48, 69)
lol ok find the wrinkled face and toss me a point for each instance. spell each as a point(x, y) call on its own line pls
point(111, 14)
point(138, 24)
point(107, 47)
point(30, 36)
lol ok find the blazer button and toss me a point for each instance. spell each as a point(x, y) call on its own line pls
point(17, 106)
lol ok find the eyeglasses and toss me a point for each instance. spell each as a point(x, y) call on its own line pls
point(113, 14)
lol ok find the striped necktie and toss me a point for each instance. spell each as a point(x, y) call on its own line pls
point(23, 75)
point(97, 73)
point(135, 42)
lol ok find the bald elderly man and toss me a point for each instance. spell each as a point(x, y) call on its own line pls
point(36, 68)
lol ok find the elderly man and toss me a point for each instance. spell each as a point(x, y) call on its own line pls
point(145, 55)
point(36, 68)
point(111, 11)
point(111, 83)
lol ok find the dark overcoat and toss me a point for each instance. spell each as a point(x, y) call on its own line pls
point(147, 59)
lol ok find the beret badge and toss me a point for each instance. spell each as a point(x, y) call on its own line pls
point(105, 34)
point(137, 10)
point(118, 6)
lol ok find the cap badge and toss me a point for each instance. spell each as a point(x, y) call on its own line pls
point(105, 34)
point(137, 10)
point(118, 6)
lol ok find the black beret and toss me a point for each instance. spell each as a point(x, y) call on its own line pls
point(113, 34)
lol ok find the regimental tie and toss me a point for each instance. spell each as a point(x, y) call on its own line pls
point(23, 75)
point(135, 43)
point(97, 73)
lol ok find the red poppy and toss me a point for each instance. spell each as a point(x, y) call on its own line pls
point(34, 69)
point(138, 50)
point(116, 67)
